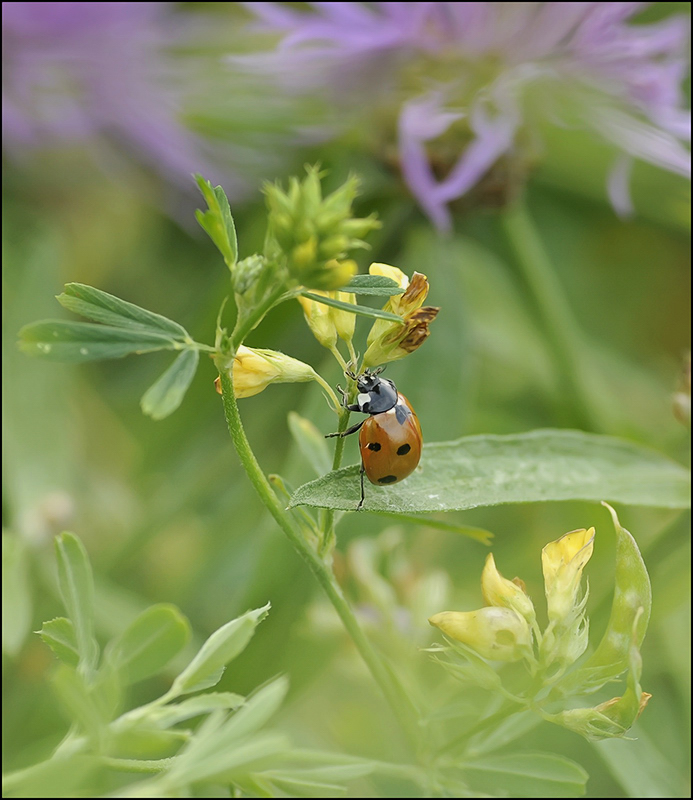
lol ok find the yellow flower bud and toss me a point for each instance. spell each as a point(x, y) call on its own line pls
point(499, 591)
point(389, 341)
point(344, 322)
point(562, 563)
point(398, 341)
point(303, 255)
point(319, 319)
point(254, 370)
point(499, 634)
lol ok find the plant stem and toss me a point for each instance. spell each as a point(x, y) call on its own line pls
point(137, 765)
point(394, 693)
point(327, 517)
point(562, 330)
point(242, 330)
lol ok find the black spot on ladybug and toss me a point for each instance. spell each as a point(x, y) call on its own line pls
point(373, 446)
point(401, 413)
point(403, 450)
point(388, 479)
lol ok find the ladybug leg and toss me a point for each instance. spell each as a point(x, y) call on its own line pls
point(363, 494)
point(345, 398)
point(347, 432)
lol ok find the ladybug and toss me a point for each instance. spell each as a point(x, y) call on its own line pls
point(390, 438)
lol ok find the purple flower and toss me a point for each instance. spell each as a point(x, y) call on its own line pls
point(98, 72)
point(470, 78)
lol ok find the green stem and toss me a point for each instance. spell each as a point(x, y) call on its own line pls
point(137, 765)
point(242, 330)
point(394, 693)
point(327, 518)
point(560, 326)
point(336, 405)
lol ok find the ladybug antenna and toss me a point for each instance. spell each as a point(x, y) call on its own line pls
point(379, 370)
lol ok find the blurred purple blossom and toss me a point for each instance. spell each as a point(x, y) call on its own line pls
point(99, 73)
point(477, 73)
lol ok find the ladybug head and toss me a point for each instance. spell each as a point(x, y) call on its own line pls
point(368, 380)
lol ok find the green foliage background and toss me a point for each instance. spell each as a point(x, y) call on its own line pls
point(167, 514)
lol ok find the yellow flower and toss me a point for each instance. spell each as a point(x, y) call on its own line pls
point(344, 322)
point(254, 370)
point(499, 634)
point(328, 322)
point(562, 563)
point(389, 341)
point(499, 591)
point(319, 319)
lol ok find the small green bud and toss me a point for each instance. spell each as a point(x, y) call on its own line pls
point(246, 273)
point(334, 247)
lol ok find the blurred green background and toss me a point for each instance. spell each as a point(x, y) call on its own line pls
point(167, 514)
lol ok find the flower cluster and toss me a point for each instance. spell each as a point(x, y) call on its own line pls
point(314, 234)
point(306, 256)
point(506, 630)
point(460, 86)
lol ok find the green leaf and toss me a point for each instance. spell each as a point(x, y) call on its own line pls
point(103, 307)
point(630, 614)
point(305, 773)
point(69, 772)
point(172, 714)
point(641, 768)
point(352, 308)
point(217, 221)
point(224, 761)
point(75, 700)
point(527, 775)
point(163, 397)
point(58, 340)
point(257, 710)
point(144, 742)
point(59, 635)
point(221, 647)
point(372, 284)
point(149, 643)
point(223, 745)
point(77, 590)
point(16, 594)
point(311, 442)
point(529, 467)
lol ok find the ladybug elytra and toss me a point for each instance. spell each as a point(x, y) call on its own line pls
point(390, 438)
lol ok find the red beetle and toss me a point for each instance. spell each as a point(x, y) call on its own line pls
point(390, 439)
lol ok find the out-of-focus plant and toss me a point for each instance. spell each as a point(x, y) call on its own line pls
point(307, 257)
point(139, 85)
point(97, 73)
point(682, 397)
point(506, 630)
point(154, 744)
point(466, 84)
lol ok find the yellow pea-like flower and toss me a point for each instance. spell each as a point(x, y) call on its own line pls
point(499, 591)
point(499, 634)
point(255, 369)
point(390, 341)
point(562, 563)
